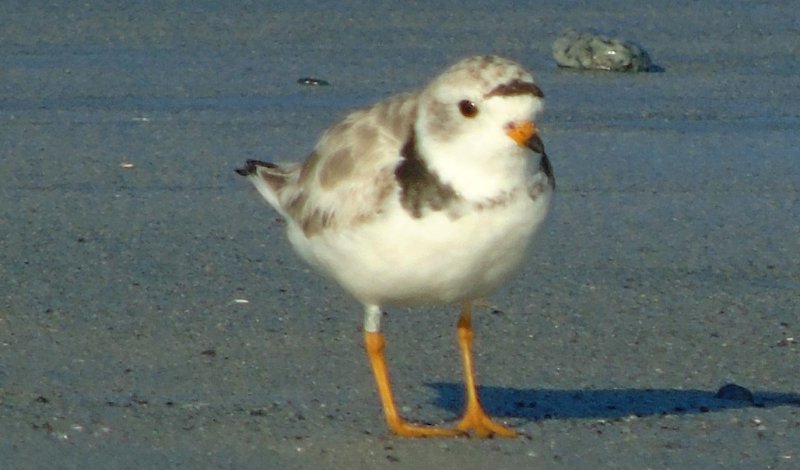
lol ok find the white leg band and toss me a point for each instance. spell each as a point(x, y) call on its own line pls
point(372, 318)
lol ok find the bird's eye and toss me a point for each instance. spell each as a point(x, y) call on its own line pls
point(468, 108)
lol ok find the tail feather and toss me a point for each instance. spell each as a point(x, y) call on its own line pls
point(251, 166)
point(268, 178)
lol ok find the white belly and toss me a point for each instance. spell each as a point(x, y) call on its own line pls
point(400, 260)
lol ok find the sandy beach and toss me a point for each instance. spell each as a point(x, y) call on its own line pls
point(153, 314)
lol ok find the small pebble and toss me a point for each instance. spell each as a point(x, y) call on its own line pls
point(734, 392)
point(590, 50)
point(308, 81)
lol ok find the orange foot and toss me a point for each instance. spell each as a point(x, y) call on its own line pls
point(403, 428)
point(482, 425)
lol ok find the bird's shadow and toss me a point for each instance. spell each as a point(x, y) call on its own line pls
point(538, 404)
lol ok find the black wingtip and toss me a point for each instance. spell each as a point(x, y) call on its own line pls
point(250, 167)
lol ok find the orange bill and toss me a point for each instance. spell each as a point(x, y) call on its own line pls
point(521, 132)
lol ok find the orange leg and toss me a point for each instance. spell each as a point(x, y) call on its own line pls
point(474, 418)
point(375, 344)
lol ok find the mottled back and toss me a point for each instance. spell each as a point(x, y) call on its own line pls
point(364, 146)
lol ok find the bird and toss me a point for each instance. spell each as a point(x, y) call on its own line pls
point(429, 197)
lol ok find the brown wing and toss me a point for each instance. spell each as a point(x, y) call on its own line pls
point(349, 176)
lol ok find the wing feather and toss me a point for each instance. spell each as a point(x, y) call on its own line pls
point(349, 177)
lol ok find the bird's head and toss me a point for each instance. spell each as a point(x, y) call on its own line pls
point(476, 123)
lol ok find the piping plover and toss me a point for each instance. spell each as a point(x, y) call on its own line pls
point(428, 197)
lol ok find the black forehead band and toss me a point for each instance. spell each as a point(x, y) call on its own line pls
point(516, 87)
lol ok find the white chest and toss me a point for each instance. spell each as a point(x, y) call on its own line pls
point(436, 258)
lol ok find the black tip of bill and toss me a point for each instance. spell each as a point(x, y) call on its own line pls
point(546, 168)
point(535, 143)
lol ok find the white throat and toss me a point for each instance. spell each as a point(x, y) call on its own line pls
point(478, 168)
